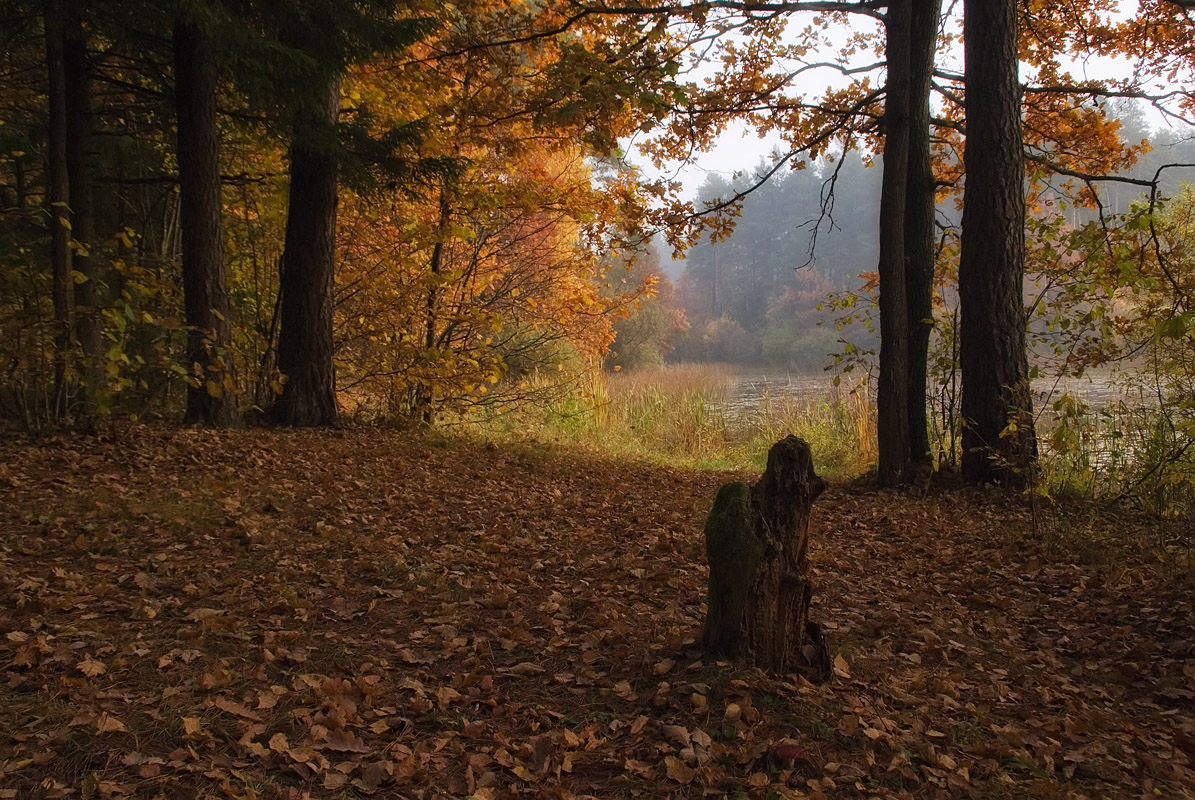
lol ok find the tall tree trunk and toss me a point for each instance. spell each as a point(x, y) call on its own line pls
point(892, 397)
point(999, 443)
point(425, 394)
point(919, 221)
point(77, 75)
point(211, 394)
point(308, 261)
point(58, 197)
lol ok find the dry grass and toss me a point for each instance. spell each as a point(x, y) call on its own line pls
point(690, 415)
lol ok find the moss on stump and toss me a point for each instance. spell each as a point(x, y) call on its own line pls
point(733, 551)
point(760, 590)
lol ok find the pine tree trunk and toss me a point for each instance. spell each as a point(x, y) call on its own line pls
point(892, 397)
point(211, 394)
point(58, 198)
point(919, 222)
point(757, 541)
point(999, 443)
point(77, 74)
point(308, 261)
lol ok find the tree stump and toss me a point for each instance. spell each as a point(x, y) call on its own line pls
point(756, 541)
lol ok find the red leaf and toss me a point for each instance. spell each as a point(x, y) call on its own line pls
point(790, 752)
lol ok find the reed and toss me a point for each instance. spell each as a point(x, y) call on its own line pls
point(687, 415)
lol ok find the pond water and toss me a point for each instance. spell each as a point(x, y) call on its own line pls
point(752, 395)
point(751, 391)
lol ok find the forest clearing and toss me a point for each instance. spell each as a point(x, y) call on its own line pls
point(375, 397)
point(354, 612)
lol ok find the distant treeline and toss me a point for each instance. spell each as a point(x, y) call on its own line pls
point(759, 296)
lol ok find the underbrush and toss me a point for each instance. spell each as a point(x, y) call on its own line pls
point(1130, 455)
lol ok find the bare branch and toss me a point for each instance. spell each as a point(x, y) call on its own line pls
point(1089, 177)
point(760, 179)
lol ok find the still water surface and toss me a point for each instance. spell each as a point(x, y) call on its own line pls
point(751, 391)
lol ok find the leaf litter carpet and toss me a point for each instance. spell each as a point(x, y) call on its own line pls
point(252, 614)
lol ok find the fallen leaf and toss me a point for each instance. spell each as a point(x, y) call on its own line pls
point(109, 724)
point(335, 780)
point(445, 695)
point(678, 734)
point(378, 774)
point(193, 728)
point(236, 709)
point(678, 770)
point(526, 668)
point(91, 668)
point(344, 742)
point(841, 668)
point(789, 751)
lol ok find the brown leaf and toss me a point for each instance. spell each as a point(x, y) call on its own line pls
point(335, 780)
point(678, 734)
point(344, 742)
point(109, 724)
point(526, 668)
point(445, 695)
point(378, 774)
point(841, 668)
point(236, 709)
point(678, 770)
point(91, 668)
point(193, 728)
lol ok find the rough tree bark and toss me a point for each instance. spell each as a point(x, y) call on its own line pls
point(308, 262)
point(999, 443)
point(919, 221)
point(58, 200)
point(892, 396)
point(757, 541)
point(77, 84)
point(211, 398)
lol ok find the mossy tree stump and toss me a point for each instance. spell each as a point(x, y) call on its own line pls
point(757, 541)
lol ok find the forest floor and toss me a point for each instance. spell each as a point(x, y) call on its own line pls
point(256, 614)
